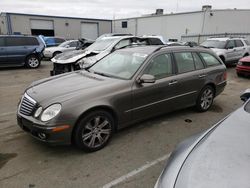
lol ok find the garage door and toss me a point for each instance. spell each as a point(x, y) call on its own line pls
point(89, 30)
point(42, 27)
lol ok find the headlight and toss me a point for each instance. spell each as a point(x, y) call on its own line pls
point(239, 63)
point(51, 112)
point(38, 112)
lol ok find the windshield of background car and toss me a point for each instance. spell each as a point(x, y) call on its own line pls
point(64, 44)
point(214, 44)
point(101, 44)
point(121, 65)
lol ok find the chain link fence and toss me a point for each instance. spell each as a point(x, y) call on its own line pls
point(200, 38)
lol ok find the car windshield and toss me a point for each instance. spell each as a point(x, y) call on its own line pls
point(64, 44)
point(101, 44)
point(214, 44)
point(121, 65)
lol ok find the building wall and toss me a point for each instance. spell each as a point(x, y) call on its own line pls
point(21, 23)
point(173, 26)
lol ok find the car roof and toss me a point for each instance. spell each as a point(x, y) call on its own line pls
point(223, 38)
point(148, 49)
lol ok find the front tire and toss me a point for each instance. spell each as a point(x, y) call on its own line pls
point(94, 131)
point(205, 99)
point(33, 61)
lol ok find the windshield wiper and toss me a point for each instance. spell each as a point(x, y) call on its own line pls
point(102, 74)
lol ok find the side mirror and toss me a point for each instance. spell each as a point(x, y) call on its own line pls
point(67, 46)
point(146, 78)
point(245, 95)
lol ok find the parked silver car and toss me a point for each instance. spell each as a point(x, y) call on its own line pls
point(219, 157)
point(230, 50)
point(125, 87)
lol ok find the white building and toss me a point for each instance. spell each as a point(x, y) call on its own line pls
point(194, 26)
point(67, 27)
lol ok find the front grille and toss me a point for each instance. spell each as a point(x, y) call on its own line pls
point(27, 105)
point(246, 64)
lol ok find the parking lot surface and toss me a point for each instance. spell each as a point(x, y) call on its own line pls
point(135, 156)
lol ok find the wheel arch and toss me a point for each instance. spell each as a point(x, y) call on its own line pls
point(95, 108)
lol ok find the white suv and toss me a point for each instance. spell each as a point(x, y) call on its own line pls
point(230, 50)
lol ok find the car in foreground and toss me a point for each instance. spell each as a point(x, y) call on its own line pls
point(18, 50)
point(230, 50)
point(86, 107)
point(217, 158)
point(71, 61)
point(66, 46)
point(243, 66)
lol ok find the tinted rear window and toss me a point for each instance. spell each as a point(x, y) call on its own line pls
point(1, 41)
point(185, 62)
point(209, 59)
point(21, 41)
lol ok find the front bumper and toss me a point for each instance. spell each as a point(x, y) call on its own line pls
point(43, 133)
point(243, 69)
point(47, 54)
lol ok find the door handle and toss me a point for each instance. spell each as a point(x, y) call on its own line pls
point(172, 82)
point(202, 75)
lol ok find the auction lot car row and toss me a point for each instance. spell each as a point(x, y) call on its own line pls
point(125, 87)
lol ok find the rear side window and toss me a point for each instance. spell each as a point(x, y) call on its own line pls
point(239, 43)
point(58, 40)
point(209, 59)
point(198, 62)
point(184, 61)
point(247, 42)
point(73, 44)
point(2, 41)
point(160, 66)
point(21, 41)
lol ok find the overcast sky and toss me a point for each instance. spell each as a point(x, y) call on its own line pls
point(108, 9)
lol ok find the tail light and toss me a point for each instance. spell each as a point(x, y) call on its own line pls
point(225, 75)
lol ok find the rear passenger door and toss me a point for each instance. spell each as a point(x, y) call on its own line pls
point(190, 78)
point(231, 54)
point(240, 48)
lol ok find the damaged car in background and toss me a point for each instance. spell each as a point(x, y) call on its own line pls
point(75, 60)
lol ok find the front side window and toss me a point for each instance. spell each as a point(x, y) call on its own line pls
point(160, 66)
point(119, 64)
point(184, 61)
point(209, 59)
point(230, 44)
point(247, 42)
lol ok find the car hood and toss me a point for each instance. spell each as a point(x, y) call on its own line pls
point(217, 50)
point(221, 158)
point(71, 56)
point(67, 86)
point(245, 59)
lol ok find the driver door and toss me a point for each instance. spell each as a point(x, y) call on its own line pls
point(231, 51)
point(149, 99)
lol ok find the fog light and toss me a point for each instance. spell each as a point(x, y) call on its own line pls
point(42, 136)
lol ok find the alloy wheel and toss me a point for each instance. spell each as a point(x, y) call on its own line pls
point(33, 62)
point(206, 98)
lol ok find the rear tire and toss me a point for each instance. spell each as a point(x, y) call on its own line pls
point(32, 61)
point(205, 99)
point(94, 131)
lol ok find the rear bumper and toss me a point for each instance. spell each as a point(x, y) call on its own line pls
point(45, 134)
point(220, 87)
